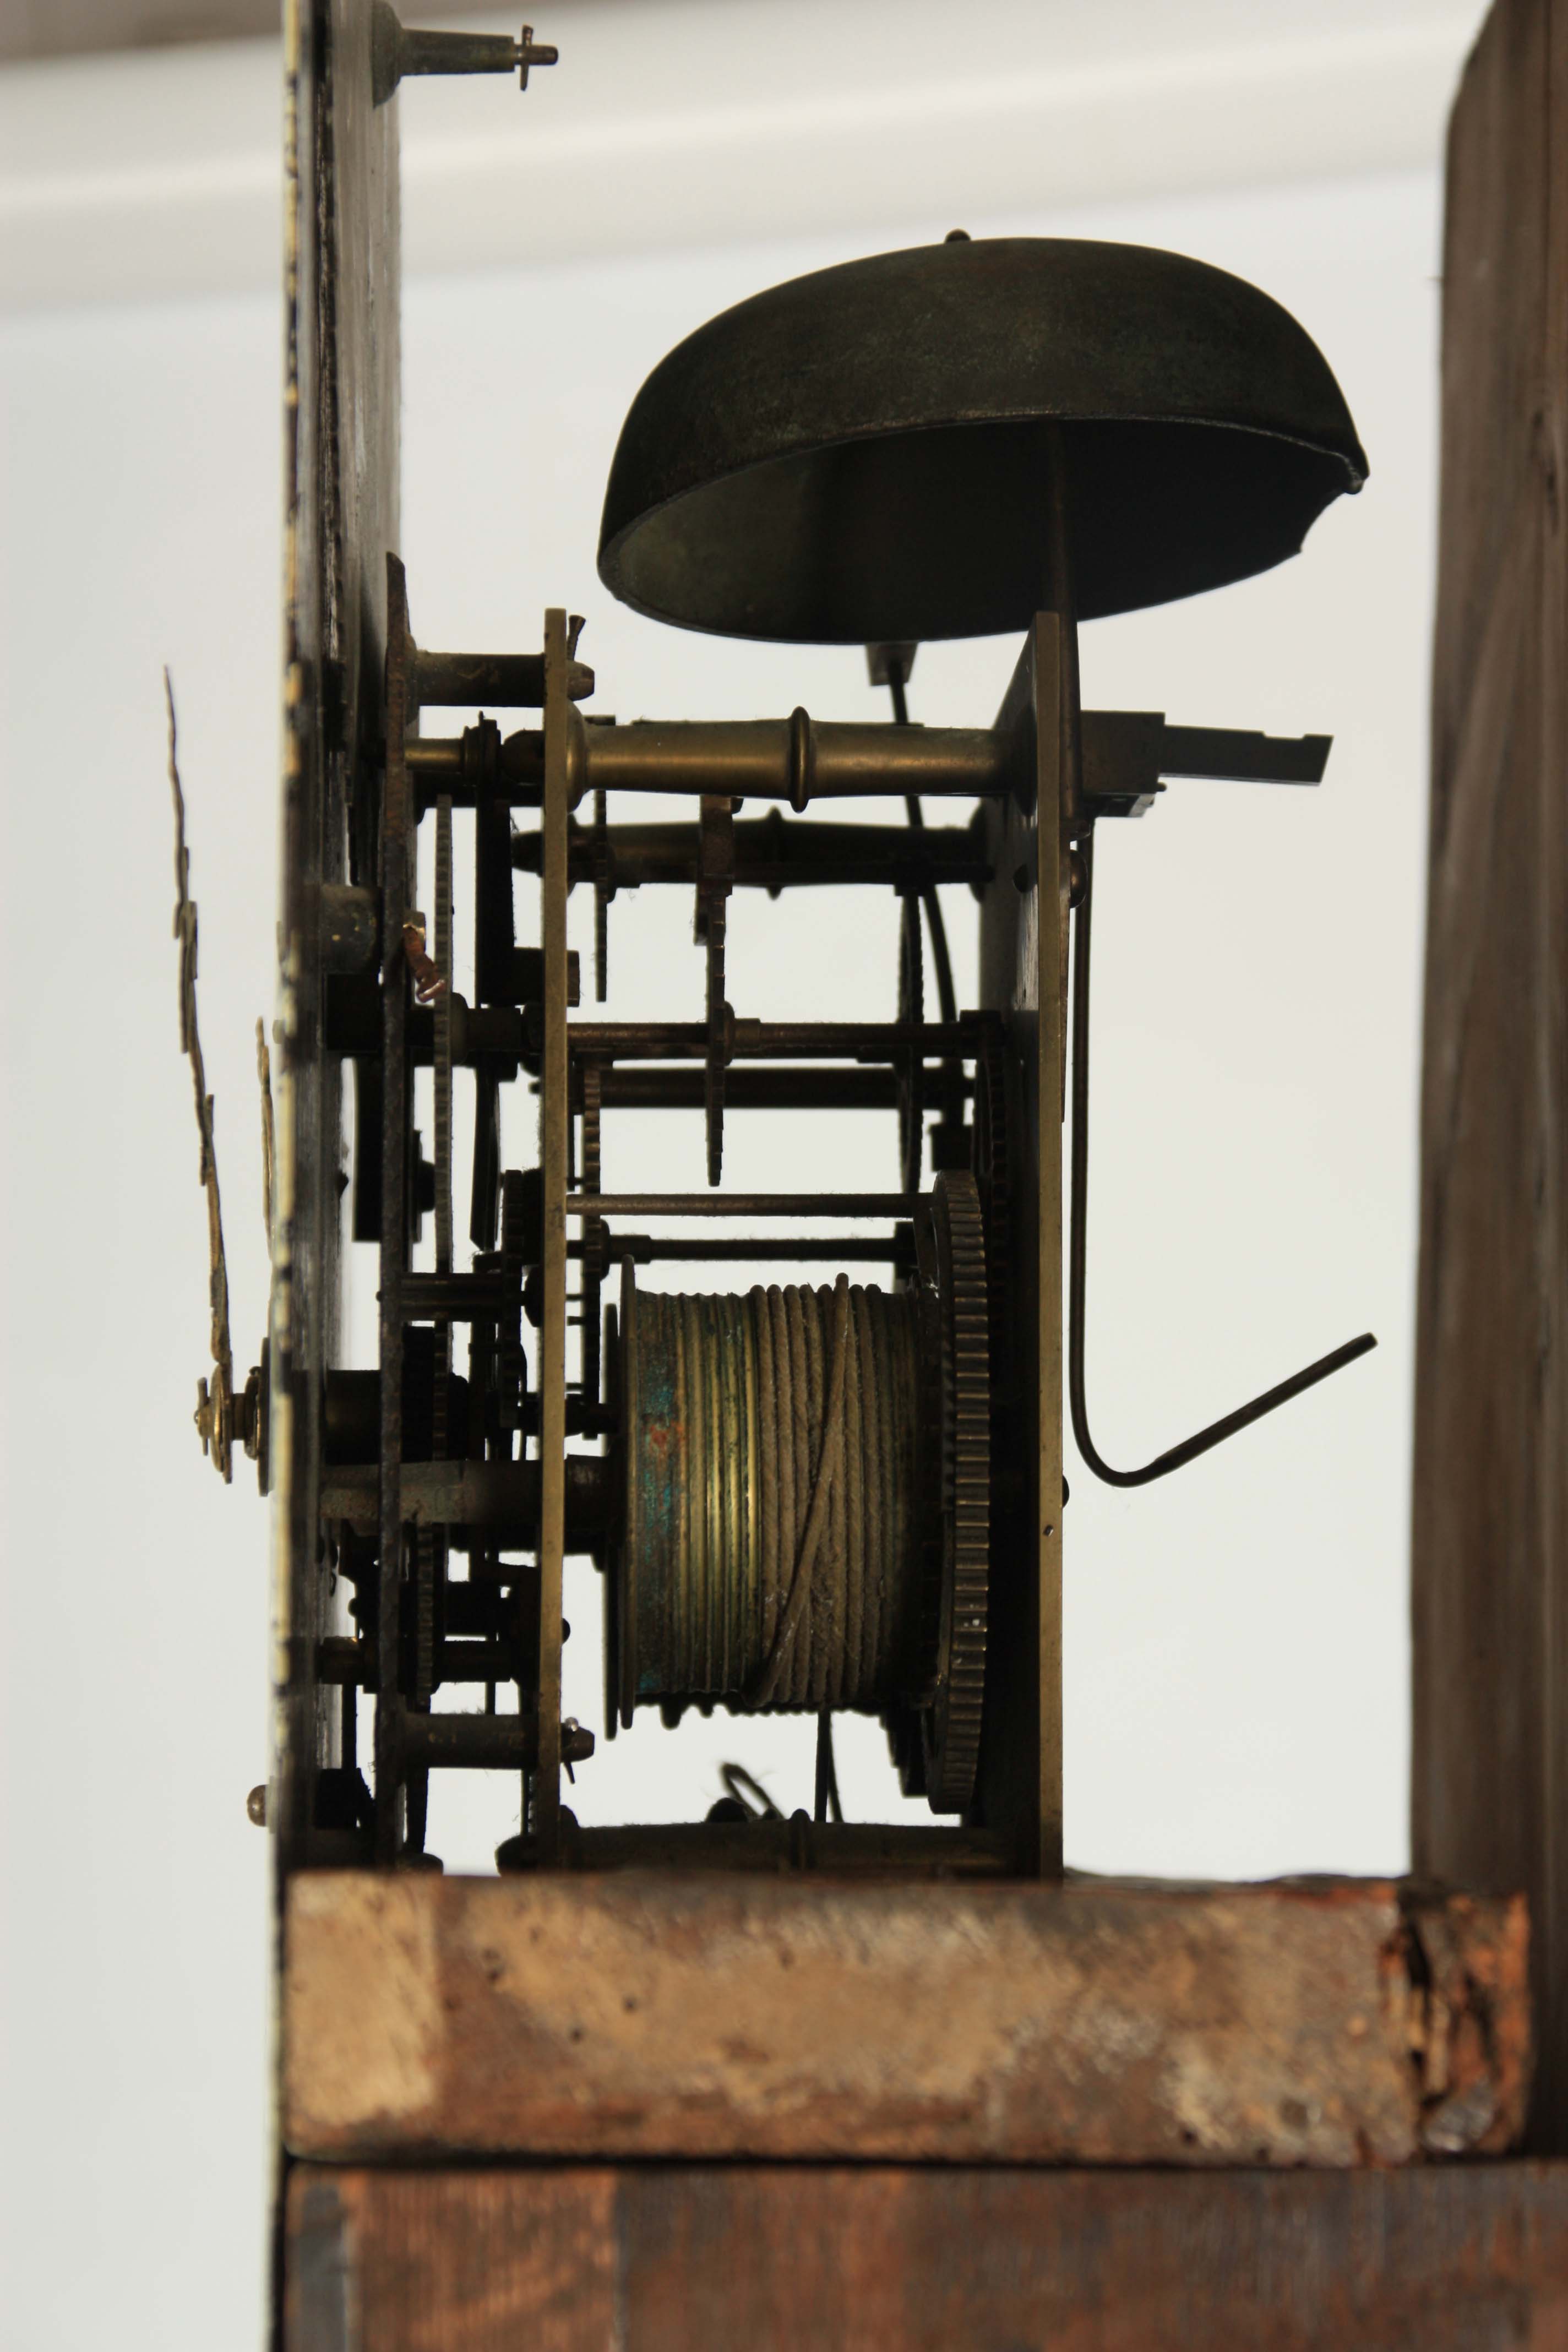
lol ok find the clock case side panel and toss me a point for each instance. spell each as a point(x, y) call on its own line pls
point(342, 452)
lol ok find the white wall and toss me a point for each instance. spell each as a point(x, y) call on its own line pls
point(1235, 1639)
point(685, 123)
point(140, 526)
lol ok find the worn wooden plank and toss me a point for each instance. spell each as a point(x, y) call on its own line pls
point(1093, 2023)
point(1490, 1527)
point(1457, 2258)
point(1548, 1879)
point(450, 2260)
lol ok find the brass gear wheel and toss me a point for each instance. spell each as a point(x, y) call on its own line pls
point(993, 1175)
point(950, 1723)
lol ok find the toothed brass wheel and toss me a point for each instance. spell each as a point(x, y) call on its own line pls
point(950, 1725)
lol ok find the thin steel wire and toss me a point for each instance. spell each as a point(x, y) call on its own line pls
point(1176, 1457)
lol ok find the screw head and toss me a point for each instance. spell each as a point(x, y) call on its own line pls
point(256, 1805)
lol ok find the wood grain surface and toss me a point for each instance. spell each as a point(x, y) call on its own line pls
point(1490, 1527)
point(739, 2259)
point(697, 2014)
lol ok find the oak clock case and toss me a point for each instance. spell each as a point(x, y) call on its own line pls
point(840, 1489)
point(811, 1443)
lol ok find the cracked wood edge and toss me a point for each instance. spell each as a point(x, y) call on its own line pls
point(1326, 2023)
point(1489, 1544)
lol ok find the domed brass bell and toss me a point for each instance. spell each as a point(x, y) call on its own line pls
point(857, 456)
